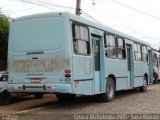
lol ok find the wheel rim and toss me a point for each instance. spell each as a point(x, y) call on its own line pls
point(145, 84)
point(110, 89)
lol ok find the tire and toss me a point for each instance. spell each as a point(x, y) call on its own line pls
point(155, 76)
point(144, 87)
point(110, 91)
point(65, 97)
point(5, 98)
point(38, 95)
point(155, 80)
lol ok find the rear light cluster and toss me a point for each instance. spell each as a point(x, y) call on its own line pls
point(67, 73)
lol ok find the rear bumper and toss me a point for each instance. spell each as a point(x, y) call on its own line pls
point(52, 88)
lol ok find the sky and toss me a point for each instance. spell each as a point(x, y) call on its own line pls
point(138, 18)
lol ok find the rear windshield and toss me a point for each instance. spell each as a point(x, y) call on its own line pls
point(37, 34)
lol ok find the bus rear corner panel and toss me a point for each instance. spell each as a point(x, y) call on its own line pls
point(83, 87)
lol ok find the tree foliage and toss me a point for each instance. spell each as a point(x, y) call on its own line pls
point(4, 32)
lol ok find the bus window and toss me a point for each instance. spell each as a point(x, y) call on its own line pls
point(110, 46)
point(144, 54)
point(80, 39)
point(137, 52)
point(155, 60)
point(159, 60)
point(121, 52)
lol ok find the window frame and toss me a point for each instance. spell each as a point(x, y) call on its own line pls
point(143, 53)
point(75, 40)
point(155, 59)
point(110, 46)
point(137, 52)
point(122, 48)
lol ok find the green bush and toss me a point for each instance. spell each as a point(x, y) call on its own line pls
point(4, 32)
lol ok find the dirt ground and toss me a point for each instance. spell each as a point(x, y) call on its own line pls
point(125, 102)
point(27, 103)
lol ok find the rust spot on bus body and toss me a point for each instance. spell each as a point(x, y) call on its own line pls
point(40, 65)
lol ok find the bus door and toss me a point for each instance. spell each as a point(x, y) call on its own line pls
point(150, 67)
point(96, 62)
point(158, 66)
point(129, 63)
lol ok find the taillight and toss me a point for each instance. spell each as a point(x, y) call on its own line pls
point(67, 73)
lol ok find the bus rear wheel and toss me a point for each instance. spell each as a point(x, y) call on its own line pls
point(144, 87)
point(110, 91)
point(65, 97)
point(155, 76)
point(155, 80)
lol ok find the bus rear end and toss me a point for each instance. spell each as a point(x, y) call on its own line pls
point(38, 60)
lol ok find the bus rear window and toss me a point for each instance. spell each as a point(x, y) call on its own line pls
point(41, 34)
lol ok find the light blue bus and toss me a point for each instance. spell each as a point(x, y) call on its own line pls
point(66, 54)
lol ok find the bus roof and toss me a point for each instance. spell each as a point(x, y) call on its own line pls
point(82, 20)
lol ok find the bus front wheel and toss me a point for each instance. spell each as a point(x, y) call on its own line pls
point(110, 91)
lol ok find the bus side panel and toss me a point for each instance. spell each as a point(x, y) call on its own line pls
point(121, 83)
point(158, 66)
point(150, 81)
point(138, 74)
point(83, 87)
point(146, 68)
point(119, 69)
point(82, 75)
